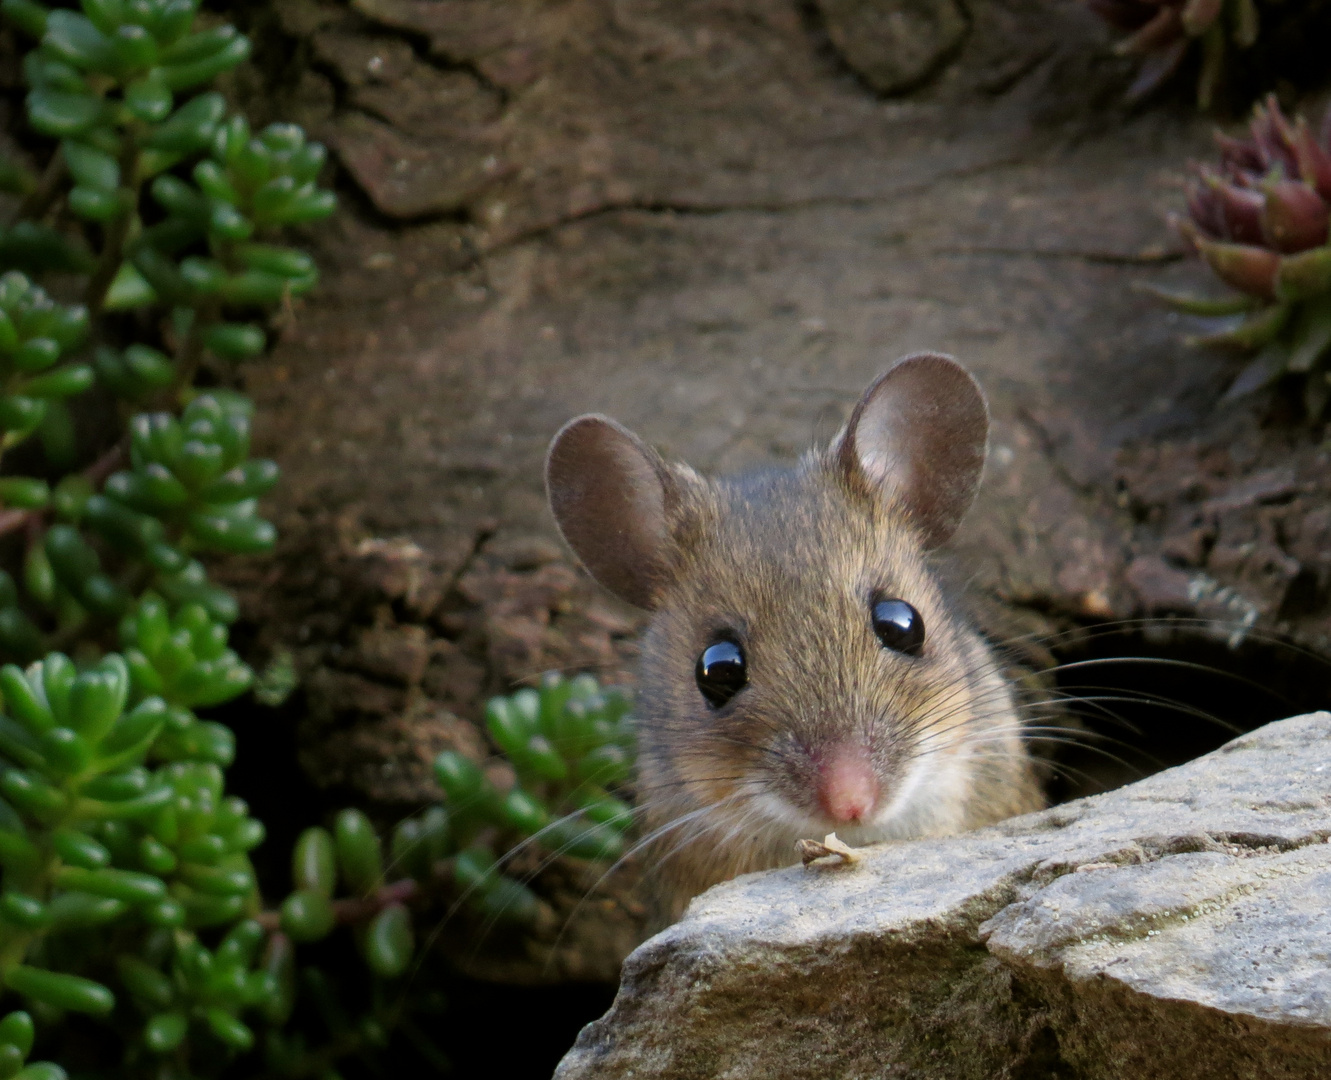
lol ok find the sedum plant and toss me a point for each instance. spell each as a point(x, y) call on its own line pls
point(570, 744)
point(1260, 221)
point(127, 892)
point(16, 1036)
point(171, 208)
point(110, 864)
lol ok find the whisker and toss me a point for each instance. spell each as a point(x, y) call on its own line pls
point(1158, 701)
point(1157, 661)
point(1221, 629)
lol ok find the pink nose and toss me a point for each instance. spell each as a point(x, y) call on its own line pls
point(847, 786)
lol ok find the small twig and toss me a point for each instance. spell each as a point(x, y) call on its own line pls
point(109, 264)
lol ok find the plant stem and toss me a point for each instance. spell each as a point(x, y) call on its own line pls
point(107, 463)
point(36, 204)
point(190, 353)
point(13, 520)
point(96, 473)
point(353, 909)
point(117, 232)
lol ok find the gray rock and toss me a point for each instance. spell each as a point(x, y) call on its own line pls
point(1173, 928)
point(895, 45)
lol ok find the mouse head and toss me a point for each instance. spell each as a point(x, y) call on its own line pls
point(802, 666)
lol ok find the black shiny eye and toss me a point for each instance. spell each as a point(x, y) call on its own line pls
point(721, 672)
point(898, 626)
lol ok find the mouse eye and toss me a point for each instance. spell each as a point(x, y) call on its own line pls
point(898, 626)
point(721, 672)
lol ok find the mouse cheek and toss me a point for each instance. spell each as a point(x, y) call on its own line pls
point(847, 786)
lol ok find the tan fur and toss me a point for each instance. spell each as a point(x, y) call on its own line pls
point(788, 563)
point(793, 559)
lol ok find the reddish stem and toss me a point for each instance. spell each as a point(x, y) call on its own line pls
point(96, 474)
point(354, 909)
point(108, 463)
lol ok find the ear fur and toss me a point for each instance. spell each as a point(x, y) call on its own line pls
point(610, 494)
point(917, 438)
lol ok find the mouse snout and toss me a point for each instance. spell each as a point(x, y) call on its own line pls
point(847, 785)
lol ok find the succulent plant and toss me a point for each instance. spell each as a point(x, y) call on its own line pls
point(352, 856)
point(16, 1035)
point(570, 744)
point(114, 816)
point(127, 891)
point(1260, 221)
point(177, 982)
point(1163, 33)
point(35, 333)
point(172, 210)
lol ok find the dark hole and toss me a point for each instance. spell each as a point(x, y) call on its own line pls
point(267, 775)
point(454, 1026)
point(518, 1032)
point(1154, 697)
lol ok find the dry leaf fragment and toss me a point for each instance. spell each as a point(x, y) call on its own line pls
point(830, 847)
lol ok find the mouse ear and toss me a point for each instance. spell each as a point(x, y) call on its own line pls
point(609, 492)
point(917, 438)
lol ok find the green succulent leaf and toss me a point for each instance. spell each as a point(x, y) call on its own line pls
point(359, 854)
point(28, 16)
point(24, 493)
point(389, 942)
point(59, 113)
point(1311, 335)
point(314, 862)
point(307, 916)
point(17, 1030)
point(508, 901)
point(60, 991)
point(1254, 330)
point(164, 1032)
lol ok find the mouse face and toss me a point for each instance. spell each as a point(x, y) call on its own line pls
point(804, 670)
point(803, 664)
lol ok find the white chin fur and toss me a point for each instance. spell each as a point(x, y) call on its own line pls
point(915, 810)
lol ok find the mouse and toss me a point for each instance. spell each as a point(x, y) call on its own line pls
point(806, 668)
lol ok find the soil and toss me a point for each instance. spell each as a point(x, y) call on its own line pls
point(696, 216)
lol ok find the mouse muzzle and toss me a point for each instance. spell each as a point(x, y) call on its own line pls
point(848, 788)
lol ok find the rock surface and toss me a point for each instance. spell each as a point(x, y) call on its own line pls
point(895, 46)
point(689, 216)
point(1174, 928)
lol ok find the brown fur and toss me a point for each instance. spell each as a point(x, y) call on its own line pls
point(790, 562)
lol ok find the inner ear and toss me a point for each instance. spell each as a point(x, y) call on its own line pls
point(608, 493)
point(917, 438)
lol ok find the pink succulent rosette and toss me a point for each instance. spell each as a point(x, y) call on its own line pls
point(1260, 221)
